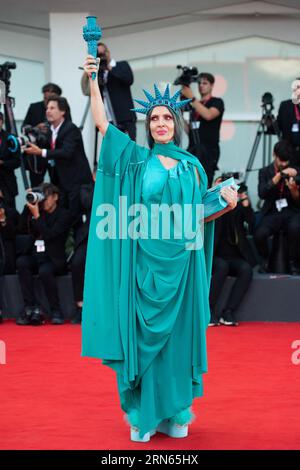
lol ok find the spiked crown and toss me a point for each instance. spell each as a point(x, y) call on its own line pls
point(160, 100)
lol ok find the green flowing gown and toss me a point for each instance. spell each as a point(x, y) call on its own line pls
point(146, 308)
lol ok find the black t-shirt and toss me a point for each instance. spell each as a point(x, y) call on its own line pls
point(209, 131)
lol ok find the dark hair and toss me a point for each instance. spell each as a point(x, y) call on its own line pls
point(102, 44)
point(53, 88)
point(62, 104)
point(206, 76)
point(178, 126)
point(283, 150)
point(49, 189)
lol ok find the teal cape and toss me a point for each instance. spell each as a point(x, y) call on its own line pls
point(146, 309)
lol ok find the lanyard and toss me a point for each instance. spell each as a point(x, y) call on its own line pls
point(209, 97)
point(282, 184)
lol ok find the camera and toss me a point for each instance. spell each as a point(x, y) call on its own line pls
point(103, 66)
point(284, 176)
point(230, 174)
point(243, 188)
point(267, 102)
point(5, 68)
point(5, 73)
point(268, 119)
point(35, 196)
point(189, 75)
point(103, 62)
point(30, 135)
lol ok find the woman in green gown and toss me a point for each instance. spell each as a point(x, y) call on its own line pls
point(146, 308)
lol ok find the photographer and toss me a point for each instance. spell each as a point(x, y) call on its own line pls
point(67, 151)
point(36, 118)
point(47, 224)
point(204, 128)
point(8, 227)
point(233, 256)
point(277, 187)
point(8, 163)
point(115, 80)
point(288, 121)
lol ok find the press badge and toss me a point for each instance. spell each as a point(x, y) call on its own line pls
point(195, 124)
point(281, 203)
point(40, 246)
point(295, 127)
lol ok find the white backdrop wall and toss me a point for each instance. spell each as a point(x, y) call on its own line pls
point(31, 54)
point(250, 55)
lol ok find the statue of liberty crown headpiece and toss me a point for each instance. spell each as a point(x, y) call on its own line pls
point(160, 100)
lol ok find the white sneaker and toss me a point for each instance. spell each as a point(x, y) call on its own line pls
point(173, 430)
point(135, 435)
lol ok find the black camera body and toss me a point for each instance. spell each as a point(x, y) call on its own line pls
point(103, 66)
point(32, 135)
point(5, 73)
point(189, 75)
point(230, 174)
point(284, 176)
point(243, 188)
point(268, 119)
point(103, 62)
point(267, 100)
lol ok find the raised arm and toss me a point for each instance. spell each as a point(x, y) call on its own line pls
point(91, 65)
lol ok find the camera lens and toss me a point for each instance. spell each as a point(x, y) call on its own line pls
point(31, 198)
point(35, 196)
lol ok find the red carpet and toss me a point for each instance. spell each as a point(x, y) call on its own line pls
point(51, 398)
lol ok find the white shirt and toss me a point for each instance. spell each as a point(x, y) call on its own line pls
point(112, 64)
point(55, 131)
